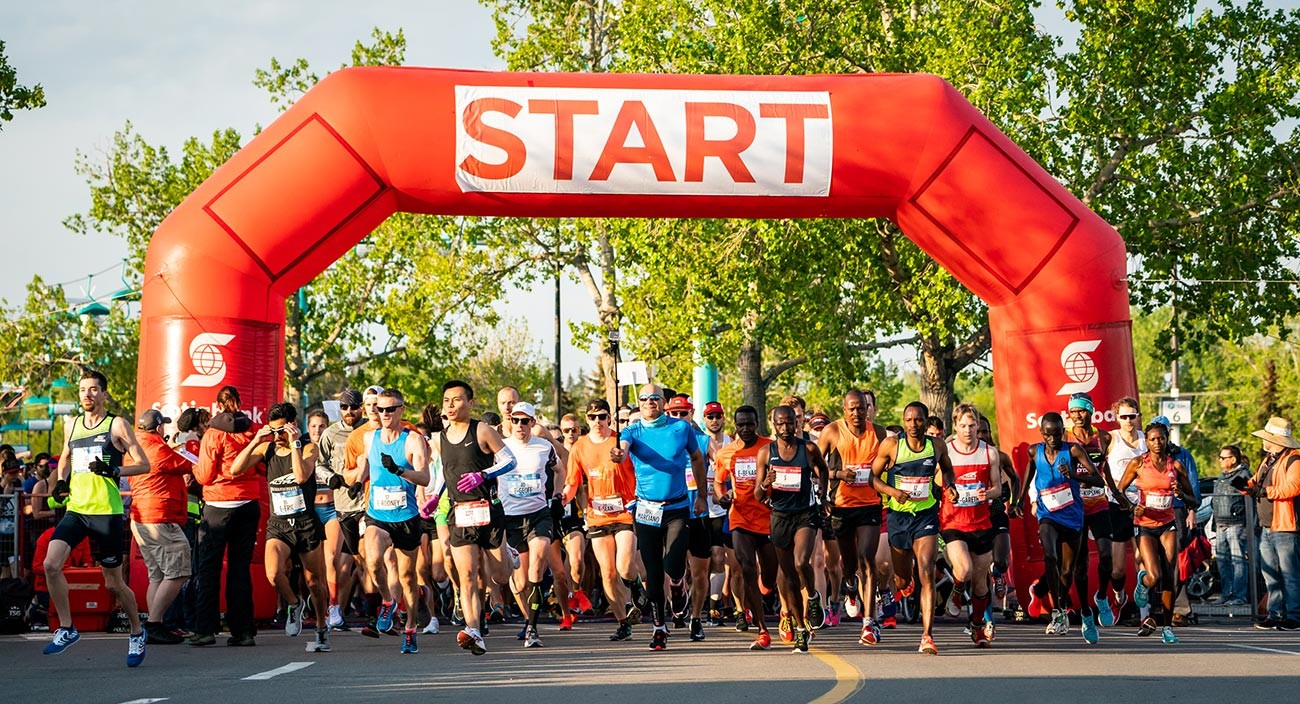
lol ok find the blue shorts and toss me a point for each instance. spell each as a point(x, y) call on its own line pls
point(326, 513)
point(904, 528)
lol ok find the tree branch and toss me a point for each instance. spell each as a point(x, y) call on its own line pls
point(972, 349)
point(771, 373)
point(1198, 218)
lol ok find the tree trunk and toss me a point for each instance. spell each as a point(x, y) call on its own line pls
point(294, 371)
point(750, 364)
point(938, 377)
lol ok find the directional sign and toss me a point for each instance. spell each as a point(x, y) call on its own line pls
point(1177, 410)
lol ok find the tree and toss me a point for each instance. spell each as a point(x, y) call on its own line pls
point(14, 96)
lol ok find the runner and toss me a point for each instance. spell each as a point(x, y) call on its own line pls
point(293, 528)
point(852, 443)
point(1160, 480)
point(358, 445)
point(396, 462)
point(1056, 469)
point(610, 488)
point(94, 449)
point(431, 563)
point(828, 569)
point(659, 447)
point(965, 523)
point(526, 489)
point(349, 504)
point(1002, 509)
point(904, 471)
point(317, 423)
point(1126, 444)
point(787, 468)
point(473, 457)
point(705, 529)
point(751, 521)
point(1096, 516)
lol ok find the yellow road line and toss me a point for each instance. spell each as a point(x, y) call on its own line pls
point(848, 681)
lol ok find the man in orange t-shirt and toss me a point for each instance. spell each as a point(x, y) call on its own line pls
point(751, 520)
point(609, 488)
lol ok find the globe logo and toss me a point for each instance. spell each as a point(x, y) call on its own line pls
point(1079, 367)
point(1076, 362)
point(207, 358)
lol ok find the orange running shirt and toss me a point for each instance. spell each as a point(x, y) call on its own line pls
point(610, 487)
point(857, 453)
point(739, 464)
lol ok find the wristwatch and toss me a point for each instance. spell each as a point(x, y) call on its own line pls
point(297, 444)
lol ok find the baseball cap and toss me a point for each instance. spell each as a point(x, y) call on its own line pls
point(523, 408)
point(598, 404)
point(712, 407)
point(351, 397)
point(1162, 420)
point(680, 402)
point(818, 421)
point(151, 419)
point(374, 390)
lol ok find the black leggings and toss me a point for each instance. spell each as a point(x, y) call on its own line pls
point(1060, 548)
point(663, 551)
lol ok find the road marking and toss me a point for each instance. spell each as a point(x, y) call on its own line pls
point(1266, 650)
point(291, 667)
point(848, 680)
point(147, 701)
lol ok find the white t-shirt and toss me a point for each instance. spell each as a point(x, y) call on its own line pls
point(523, 489)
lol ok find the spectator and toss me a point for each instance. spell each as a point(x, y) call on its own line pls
point(34, 475)
point(1230, 527)
point(1275, 488)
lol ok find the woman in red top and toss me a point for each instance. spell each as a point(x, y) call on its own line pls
point(966, 525)
point(1160, 480)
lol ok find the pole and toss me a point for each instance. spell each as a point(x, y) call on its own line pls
point(556, 383)
point(1175, 430)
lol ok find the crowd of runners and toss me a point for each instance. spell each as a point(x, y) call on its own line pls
point(410, 520)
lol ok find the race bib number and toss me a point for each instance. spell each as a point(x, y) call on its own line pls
point(289, 502)
point(81, 459)
point(1159, 500)
point(525, 485)
point(690, 479)
point(1092, 492)
point(968, 495)
point(788, 478)
point(473, 514)
point(608, 505)
point(861, 474)
point(649, 513)
point(746, 469)
point(389, 499)
point(1057, 497)
point(918, 488)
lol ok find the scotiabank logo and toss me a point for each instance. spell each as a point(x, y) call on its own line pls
point(1077, 363)
point(689, 142)
point(208, 361)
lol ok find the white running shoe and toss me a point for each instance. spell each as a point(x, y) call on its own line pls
point(321, 644)
point(432, 628)
point(335, 618)
point(293, 618)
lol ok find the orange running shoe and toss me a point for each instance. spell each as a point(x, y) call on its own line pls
point(762, 642)
point(927, 646)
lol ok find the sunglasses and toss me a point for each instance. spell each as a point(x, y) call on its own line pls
point(521, 421)
point(281, 429)
point(569, 431)
point(651, 397)
point(713, 416)
point(597, 416)
point(1129, 416)
point(349, 406)
point(389, 409)
point(1227, 457)
point(680, 414)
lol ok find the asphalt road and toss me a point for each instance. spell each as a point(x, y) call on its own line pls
point(1216, 663)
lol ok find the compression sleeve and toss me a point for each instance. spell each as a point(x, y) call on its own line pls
point(505, 461)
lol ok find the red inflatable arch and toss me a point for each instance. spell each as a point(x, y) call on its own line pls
point(367, 142)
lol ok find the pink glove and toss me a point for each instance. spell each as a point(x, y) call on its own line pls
point(429, 507)
point(470, 482)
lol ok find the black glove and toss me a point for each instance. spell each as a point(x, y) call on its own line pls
point(335, 481)
point(355, 491)
point(103, 469)
point(59, 494)
point(390, 465)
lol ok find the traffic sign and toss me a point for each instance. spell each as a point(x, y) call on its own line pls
point(1177, 410)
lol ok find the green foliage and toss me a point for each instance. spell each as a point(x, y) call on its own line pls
point(14, 96)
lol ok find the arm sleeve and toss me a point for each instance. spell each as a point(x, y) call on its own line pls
point(505, 461)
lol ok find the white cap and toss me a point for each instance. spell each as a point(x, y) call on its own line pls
point(524, 408)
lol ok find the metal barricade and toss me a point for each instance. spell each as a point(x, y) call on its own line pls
point(1249, 609)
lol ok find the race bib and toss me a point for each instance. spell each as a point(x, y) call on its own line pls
point(608, 505)
point(473, 514)
point(525, 485)
point(649, 513)
point(1092, 492)
point(788, 478)
point(690, 479)
point(1057, 497)
point(916, 487)
point(289, 502)
point(388, 499)
point(861, 474)
point(1159, 500)
point(81, 459)
point(968, 495)
point(746, 469)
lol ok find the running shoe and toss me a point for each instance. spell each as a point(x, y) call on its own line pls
point(533, 640)
point(293, 618)
point(870, 633)
point(659, 639)
point(199, 640)
point(743, 619)
point(815, 614)
point(584, 603)
point(1036, 608)
point(1105, 616)
point(566, 623)
point(1121, 598)
point(623, 632)
point(852, 605)
point(800, 642)
point(384, 622)
point(927, 646)
point(990, 631)
point(786, 628)
point(677, 598)
point(889, 623)
point(369, 631)
point(981, 639)
point(471, 641)
point(974, 631)
point(633, 613)
point(906, 591)
point(335, 618)
point(1089, 629)
point(523, 633)
point(321, 644)
point(762, 642)
point(1052, 624)
point(457, 614)
point(953, 605)
point(679, 621)
point(1141, 593)
point(408, 642)
point(1167, 636)
point(832, 616)
point(697, 630)
point(63, 639)
point(1000, 586)
point(135, 649)
point(431, 628)
point(497, 615)
point(1148, 627)
point(715, 618)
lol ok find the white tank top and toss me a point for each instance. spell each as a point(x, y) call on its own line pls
point(1117, 458)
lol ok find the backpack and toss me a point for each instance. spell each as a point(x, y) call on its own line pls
point(15, 598)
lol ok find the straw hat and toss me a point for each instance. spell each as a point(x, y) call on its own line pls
point(1278, 430)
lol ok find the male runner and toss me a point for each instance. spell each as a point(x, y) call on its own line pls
point(904, 471)
point(94, 448)
point(525, 498)
point(473, 457)
point(853, 443)
point(349, 504)
point(724, 567)
point(659, 447)
point(1056, 469)
point(1002, 509)
point(751, 520)
point(358, 444)
point(787, 468)
point(828, 567)
point(964, 520)
point(1096, 515)
point(705, 529)
point(396, 462)
point(1127, 443)
point(293, 528)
